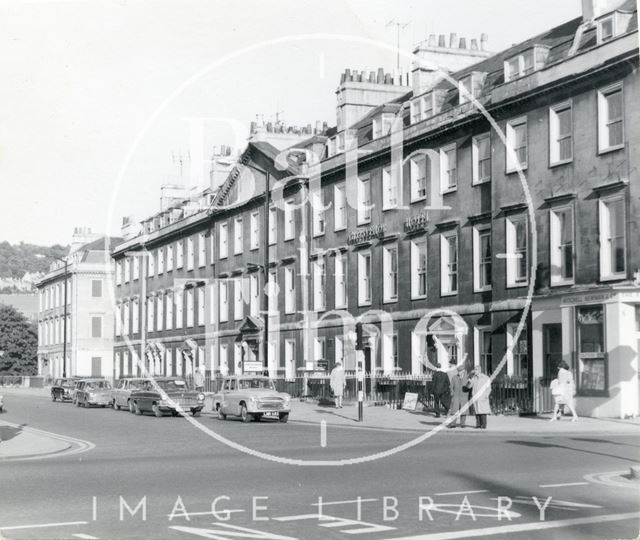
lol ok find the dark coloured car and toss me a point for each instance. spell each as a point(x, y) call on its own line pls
point(166, 395)
point(90, 392)
point(62, 389)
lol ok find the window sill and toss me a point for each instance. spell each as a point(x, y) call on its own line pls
point(480, 182)
point(361, 223)
point(602, 151)
point(514, 170)
point(518, 285)
point(255, 248)
point(560, 163)
point(444, 294)
point(289, 239)
point(419, 297)
point(343, 306)
point(364, 304)
point(316, 235)
point(418, 199)
point(386, 209)
point(390, 300)
point(340, 229)
point(449, 191)
point(613, 277)
point(562, 283)
point(482, 289)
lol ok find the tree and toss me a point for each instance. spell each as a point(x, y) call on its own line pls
point(18, 343)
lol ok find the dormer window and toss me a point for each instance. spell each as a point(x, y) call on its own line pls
point(471, 85)
point(606, 29)
point(422, 108)
point(382, 125)
point(525, 63)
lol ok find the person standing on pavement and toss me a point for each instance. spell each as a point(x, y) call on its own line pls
point(480, 392)
point(568, 386)
point(198, 379)
point(337, 383)
point(441, 390)
point(459, 395)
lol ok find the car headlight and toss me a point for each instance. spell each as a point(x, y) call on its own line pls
point(201, 397)
point(252, 399)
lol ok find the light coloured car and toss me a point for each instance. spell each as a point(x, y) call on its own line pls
point(251, 397)
point(91, 392)
point(121, 393)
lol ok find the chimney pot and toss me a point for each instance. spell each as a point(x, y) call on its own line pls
point(442, 41)
point(453, 40)
point(380, 77)
point(463, 43)
point(483, 40)
point(474, 44)
point(388, 79)
point(432, 40)
point(372, 76)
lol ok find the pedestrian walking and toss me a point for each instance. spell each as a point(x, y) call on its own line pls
point(480, 392)
point(459, 396)
point(198, 379)
point(338, 382)
point(441, 388)
point(567, 389)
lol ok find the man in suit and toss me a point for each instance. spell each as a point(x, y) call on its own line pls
point(441, 390)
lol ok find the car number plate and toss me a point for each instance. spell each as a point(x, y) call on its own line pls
point(272, 414)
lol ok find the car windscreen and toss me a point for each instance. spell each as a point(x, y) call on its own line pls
point(98, 385)
point(255, 383)
point(172, 385)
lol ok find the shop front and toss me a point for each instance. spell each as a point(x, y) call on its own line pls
point(596, 332)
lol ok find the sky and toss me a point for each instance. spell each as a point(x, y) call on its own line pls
point(99, 98)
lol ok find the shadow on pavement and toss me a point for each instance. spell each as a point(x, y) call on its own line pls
point(535, 444)
point(9, 432)
point(328, 411)
point(604, 441)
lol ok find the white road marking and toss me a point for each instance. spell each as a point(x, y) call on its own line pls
point(331, 521)
point(323, 433)
point(461, 492)
point(556, 503)
point(206, 513)
point(534, 526)
point(612, 479)
point(85, 536)
point(343, 502)
point(230, 531)
point(42, 525)
point(564, 485)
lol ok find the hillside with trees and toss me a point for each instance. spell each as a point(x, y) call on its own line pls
point(19, 263)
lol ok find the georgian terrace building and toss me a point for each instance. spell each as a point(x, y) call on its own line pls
point(431, 234)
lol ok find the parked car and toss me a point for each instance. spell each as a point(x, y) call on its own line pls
point(120, 394)
point(251, 397)
point(1, 403)
point(165, 395)
point(63, 389)
point(89, 392)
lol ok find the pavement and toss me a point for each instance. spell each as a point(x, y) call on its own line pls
point(159, 478)
point(20, 441)
point(405, 420)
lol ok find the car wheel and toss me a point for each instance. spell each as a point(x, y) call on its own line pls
point(156, 410)
point(284, 417)
point(53, 397)
point(221, 415)
point(244, 414)
point(174, 413)
point(195, 412)
point(137, 408)
point(116, 407)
